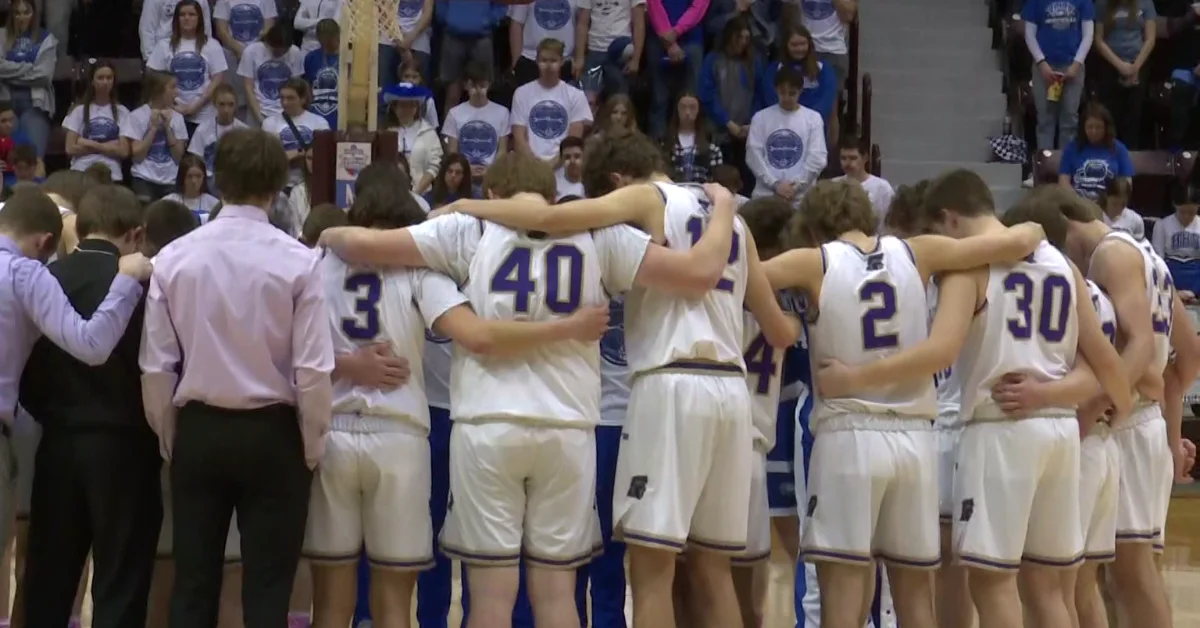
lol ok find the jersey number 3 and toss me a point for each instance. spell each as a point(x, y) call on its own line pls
point(368, 288)
point(1051, 313)
point(515, 276)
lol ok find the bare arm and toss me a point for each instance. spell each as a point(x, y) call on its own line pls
point(1098, 351)
point(1184, 342)
point(780, 329)
point(1113, 265)
point(938, 254)
point(633, 204)
point(583, 22)
point(797, 268)
point(692, 273)
point(521, 140)
point(374, 247)
point(957, 296)
point(141, 147)
point(1019, 394)
point(508, 338)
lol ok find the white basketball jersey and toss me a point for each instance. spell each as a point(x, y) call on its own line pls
point(1104, 311)
point(1160, 292)
point(511, 275)
point(614, 368)
point(661, 328)
point(438, 353)
point(1029, 326)
point(764, 366)
point(872, 305)
point(949, 389)
point(393, 307)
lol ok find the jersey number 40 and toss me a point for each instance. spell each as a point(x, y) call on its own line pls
point(515, 276)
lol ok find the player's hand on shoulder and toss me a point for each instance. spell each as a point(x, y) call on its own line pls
point(1031, 234)
point(589, 323)
point(1018, 394)
point(450, 208)
point(136, 265)
point(835, 379)
point(717, 193)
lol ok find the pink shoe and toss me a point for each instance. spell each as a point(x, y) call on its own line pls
point(297, 620)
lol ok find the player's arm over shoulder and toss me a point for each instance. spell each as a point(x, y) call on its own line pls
point(781, 330)
point(797, 268)
point(1184, 341)
point(1099, 352)
point(1120, 269)
point(433, 243)
point(640, 204)
point(937, 254)
point(628, 258)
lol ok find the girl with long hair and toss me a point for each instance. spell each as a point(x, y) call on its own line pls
point(1095, 156)
point(728, 79)
point(94, 125)
point(688, 148)
point(204, 141)
point(1124, 38)
point(452, 183)
point(410, 72)
point(265, 66)
point(617, 112)
point(295, 125)
point(820, 80)
point(191, 188)
point(194, 59)
point(33, 52)
point(419, 141)
point(157, 136)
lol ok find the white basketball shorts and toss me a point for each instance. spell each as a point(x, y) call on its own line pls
point(758, 525)
point(26, 435)
point(522, 488)
point(873, 492)
point(372, 488)
point(1016, 487)
point(1099, 478)
point(166, 540)
point(1147, 474)
point(686, 461)
point(948, 439)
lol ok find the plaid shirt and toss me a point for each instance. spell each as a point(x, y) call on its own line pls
point(688, 165)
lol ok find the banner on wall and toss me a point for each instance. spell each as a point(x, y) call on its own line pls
point(352, 157)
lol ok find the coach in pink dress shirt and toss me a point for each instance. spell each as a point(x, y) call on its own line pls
point(237, 357)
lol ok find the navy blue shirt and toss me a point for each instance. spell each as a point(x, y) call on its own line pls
point(1059, 27)
point(321, 71)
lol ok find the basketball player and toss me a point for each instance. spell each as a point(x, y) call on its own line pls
point(1142, 291)
point(685, 396)
point(494, 461)
point(1030, 325)
point(378, 449)
point(874, 459)
point(953, 599)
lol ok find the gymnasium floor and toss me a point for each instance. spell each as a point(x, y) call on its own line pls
point(1181, 564)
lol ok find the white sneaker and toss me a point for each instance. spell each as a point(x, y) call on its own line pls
point(1028, 182)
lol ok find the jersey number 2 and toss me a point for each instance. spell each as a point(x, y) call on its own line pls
point(1053, 310)
point(515, 276)
point(882, 297)
point(695, 227)
point(368, 289)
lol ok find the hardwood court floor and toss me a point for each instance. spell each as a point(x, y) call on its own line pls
point(1181, 567)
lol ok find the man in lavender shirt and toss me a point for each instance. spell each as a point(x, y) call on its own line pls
point(236, 359)
point(32, 303)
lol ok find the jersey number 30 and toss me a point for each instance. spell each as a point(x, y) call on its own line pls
point(515, 276)
point(1051, 313)
point(368, 289)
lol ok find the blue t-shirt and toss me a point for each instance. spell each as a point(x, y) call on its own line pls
point(321, 71)
point(1091, 167)
point(1059, 27)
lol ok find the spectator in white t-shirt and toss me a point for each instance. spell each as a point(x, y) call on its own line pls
point(204, 140)
point(266, 65)
point(786, 146)
point(1177, 239)
point(94, 125)
point(853, 154)
point(552, 19)
point(155, 23)
point(191, 188)
point(610, 34)
point(479, 128)
point(157, 138)
point(1115, 203)
point(569, 177)
point(238, 24)
point(547, 110)
point(194, 59)
point(294, 125)
point(828, 22)
point(310, 13)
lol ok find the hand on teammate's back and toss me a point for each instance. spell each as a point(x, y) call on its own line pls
point(835, 379)
point(717, 192)
point(1018, 394)
point(589, 323)
point(375, 366)
point(136, 265)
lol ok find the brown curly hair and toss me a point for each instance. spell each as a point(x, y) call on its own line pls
point(832, 208)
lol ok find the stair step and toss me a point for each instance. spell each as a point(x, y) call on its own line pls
point(920, 149)
point(934, 59)
point(963, 37)
point(949, 101)
point(903, 171)
point(905, 15)
point(1007, 196)
point(976, 80)
point(931, 126)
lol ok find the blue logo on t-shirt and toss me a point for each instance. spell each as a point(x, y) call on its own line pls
point(1061, 15)
point(548, 120)
point(552, 15)
point(102, 130)
point(817, 9)
point(612, 343)
point(1091, 177)
point(289, 139)
point(784, 149)
point(246, 22)
point(271, 77)
point(411, 8)
point(160, 149)
point(325, 88)
point(210, 156)
point(477, 141)
point(24, 50)
point(189, 69)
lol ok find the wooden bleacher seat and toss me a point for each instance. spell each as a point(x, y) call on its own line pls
point(1045, 166)
point(1154, 173)
point(1185, 168)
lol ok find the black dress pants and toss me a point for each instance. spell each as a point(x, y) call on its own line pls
point(250, 462)
point(98, 490)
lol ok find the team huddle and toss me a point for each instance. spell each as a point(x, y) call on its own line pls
point(969, 371)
